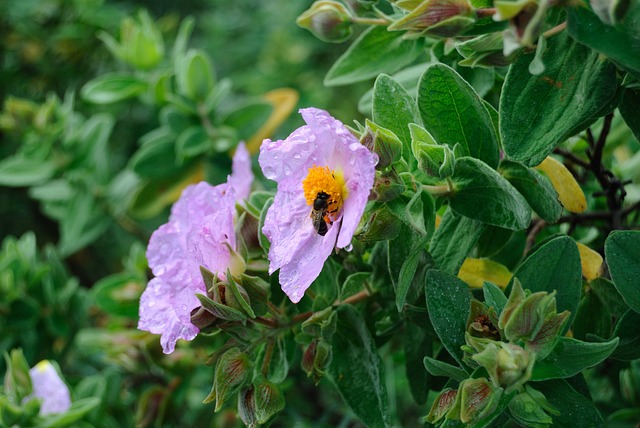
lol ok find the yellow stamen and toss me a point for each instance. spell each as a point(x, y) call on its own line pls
point(322, 179)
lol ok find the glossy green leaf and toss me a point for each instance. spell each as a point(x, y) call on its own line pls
point(448, 300)
point(118, 294)
point(629, 109)
point(356, 369)
point(394, 109)
point(112, 87)
point(453, 113)
point(18, 171)
point(539, 112)
point(440, 368)
point(575, 410)
point(570, 356)
point(619, 42)
point(622, 253)
point(417, 344)
point(555, 265)
point(375, 51)
point(453, 240)
point(592, 317)
point(628, 331)
point(482, 194)
point(536, 189)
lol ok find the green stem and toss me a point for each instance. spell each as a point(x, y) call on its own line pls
point(369, 21)
point(437, 191)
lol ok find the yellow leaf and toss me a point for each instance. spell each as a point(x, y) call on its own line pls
point(570, 194)
point(591, 262)
point(475, 271)
point(284, 101)
point(438, 220)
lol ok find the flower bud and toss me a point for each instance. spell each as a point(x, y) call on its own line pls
point(387, 186)
point(544, 342)
point(477, 398)
point(268, 399)
point(141, 44)
point(441, 405)
point(444, 18)
point(316, 358)
point(258, 291)
point(529, 409)
point(329, 21)
point(382, 142)
point(202, 318)
point(17, 382)
point(232, 371)
point(381, 225)
point(508, 365)
point(482, 321)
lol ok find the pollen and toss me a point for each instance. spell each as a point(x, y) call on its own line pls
point(322, 179)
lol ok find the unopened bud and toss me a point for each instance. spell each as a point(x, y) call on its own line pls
point(382, 142)
point(381, 225)
point(202, 318)
point(232, 371)
point(141, 43)
point(437, 17)
point(327, 20)
point(477, 398)
point(387, 186)
point(529, 408)
point(316, 358)
point(441, 405)
point(258, 291)
point(508, 365)
point(269, 400)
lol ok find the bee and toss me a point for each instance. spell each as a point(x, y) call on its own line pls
point(320, 210)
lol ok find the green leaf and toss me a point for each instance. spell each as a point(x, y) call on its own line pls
point(453, 113)
point(629, 334)
point(118, 294)
point(622, 252)
point(85, 222)
point(494, 297)
point(539, 112)
point(192, 142)
point(448, 301)
point(570, 356)
point(375, 51)
point(575, 410)
point(440, 368)
point(619, 43)
point(607, 292)
point(536, 189)
point(112, 87)
point(592, 317)
point(394, 109)
point(18, 171)
point(482, 194)
point(417, 344)
point(248, 117)
point(629, 109)
point(554, 266)
point(453, 241)
point(356, 369)
point(354, 283)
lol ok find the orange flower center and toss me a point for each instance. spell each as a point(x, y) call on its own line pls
point(323, 180)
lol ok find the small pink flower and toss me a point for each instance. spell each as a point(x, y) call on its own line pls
point(320, 161)
point(50, 388)
point(200, 232)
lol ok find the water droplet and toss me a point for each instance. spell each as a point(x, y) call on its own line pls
point(276, 156)
point(352, 161)
point(348, 247)
point(269, 172)
point(297, 156)
point(287, 170)
point(151, 304)
point(184, 307)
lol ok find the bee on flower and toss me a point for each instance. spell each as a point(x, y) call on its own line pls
point(324, 178)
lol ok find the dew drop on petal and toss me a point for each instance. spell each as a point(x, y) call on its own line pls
point(151, 304)
point(183, 307)
point(276, 156)
point(296, 156)
point(268, 172)
point(287, 170)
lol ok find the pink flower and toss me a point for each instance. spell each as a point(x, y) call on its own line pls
point(200, 232)
point(50, 388)
point(324, 177)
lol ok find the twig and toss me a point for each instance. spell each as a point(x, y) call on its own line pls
point(573, 158)
point(531, 236)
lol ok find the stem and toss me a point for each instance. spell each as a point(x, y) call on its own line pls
point(486, 12)
point(267, 357)
point(531, 236)
point(266, 321)
point(573, 158)
point(370, 21)
point(356, 298)
point(437, 191)
point(555, 30)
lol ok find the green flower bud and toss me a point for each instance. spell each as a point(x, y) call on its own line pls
point(232, 371)
point(316, 358)
point(141, 44)
point(545, 340)
point(508, 365)
point(380, 225)
point(17, 381)
point(387, 186)
point(437, 17)
point(382, 142)
point(476, 398)
point(225, 300)
point(202, 318)
point(529, 409)
point(441, 405)
point(268, 398)
point(327, 20)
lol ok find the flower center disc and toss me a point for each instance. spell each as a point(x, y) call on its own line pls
point(322, 179)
